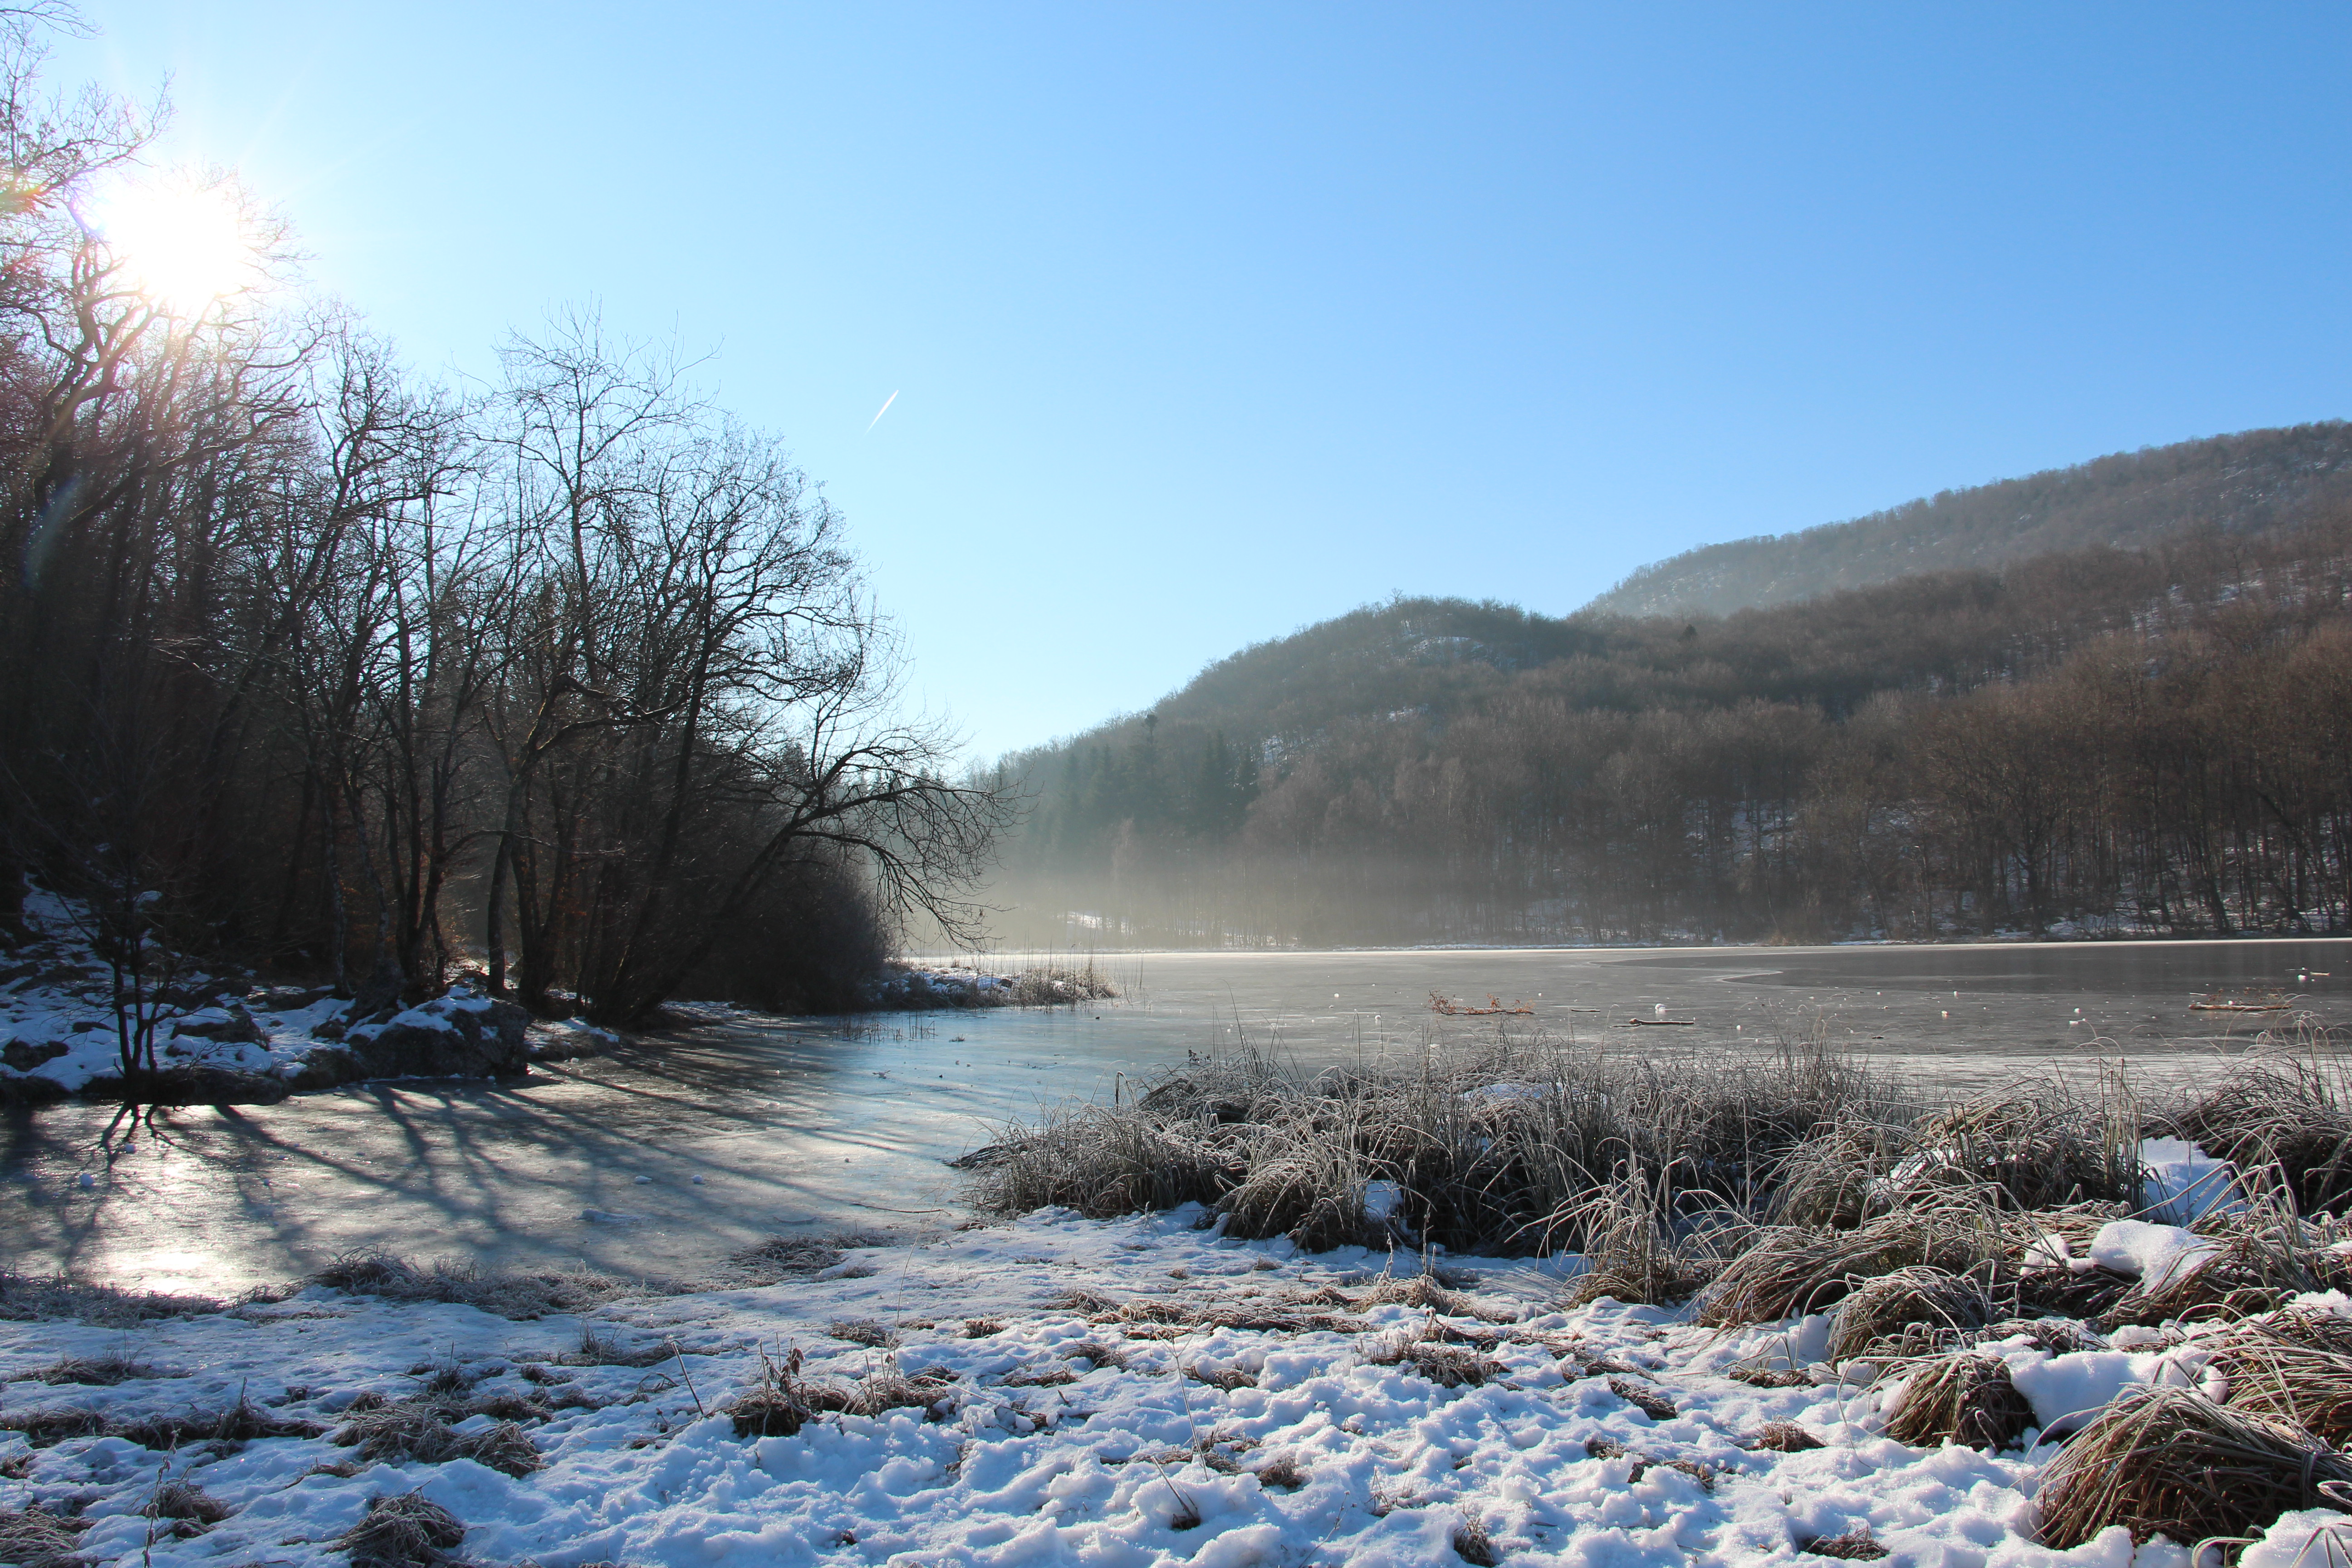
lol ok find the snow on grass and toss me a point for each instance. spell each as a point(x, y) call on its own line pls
point(1248, 1405)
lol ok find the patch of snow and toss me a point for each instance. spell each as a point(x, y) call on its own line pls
point(2158, 1254)
point(2183, 1182)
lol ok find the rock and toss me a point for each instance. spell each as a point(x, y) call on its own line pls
point(30, 1090)
point(194, 1086)
point(461, 1034)
point(289, 998)
point(331, 1029)
point(25, 1056)
point(326, 1068)
point(378, 997)
point(229, 1023)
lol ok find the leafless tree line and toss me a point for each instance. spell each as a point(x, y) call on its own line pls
point(302, 659)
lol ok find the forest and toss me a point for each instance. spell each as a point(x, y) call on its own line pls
point(2093, 741)
point(565, 679)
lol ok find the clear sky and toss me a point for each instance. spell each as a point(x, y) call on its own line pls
point(1206, 322)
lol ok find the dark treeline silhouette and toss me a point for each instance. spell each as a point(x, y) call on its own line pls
point(2099, 740)
point(306, 663)
point(2246, 483)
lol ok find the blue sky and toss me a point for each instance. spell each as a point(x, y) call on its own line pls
point(1208, 322)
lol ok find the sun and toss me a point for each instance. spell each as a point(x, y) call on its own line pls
point(183, 244)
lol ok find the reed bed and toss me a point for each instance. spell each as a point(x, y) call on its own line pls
point(1660, 1172)
point(1500, 1152)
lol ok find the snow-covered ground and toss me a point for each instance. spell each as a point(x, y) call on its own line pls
point(58, 1015)
point(1250, 1406)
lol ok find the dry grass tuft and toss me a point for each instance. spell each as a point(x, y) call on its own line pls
point(797, 1257)
point(1854, 1546)
point(1448, 1366)
point(1103, 1164)
point(1648, 1400)
point(192, 1509)
point(2059, 1336)
point(1306, 1182)
point(1794, 1269)
point(2317, 1329)
point(372, 1271)
point(780, 1402)
point(862, 1331)
point(1472, 1545)
point(2062, 1293)
point(37, 1539)
point(1630, 1251)
point(1964, 1399)
point(410, 1531)
point(2291, 1383)
point(1769, 1377)
point(414, 1432)
point(2036, 1143)
point(599, 1347)
point(1914, 1310)
point(28, 1298)
point(1423, 1292)
point(1229, 1378)
point(1282, 1470)
point(2165, 1461)
point(1492, 1152)
point(1782, 1438)
point(2285, 1114)
point(240, 1423)
point(97, 1372)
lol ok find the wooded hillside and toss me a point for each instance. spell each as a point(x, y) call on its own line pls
point(2154, 739)
point(2247, 483)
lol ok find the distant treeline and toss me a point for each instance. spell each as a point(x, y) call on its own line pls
point(307, 663)
point(2153, 740)
point(2247, 483)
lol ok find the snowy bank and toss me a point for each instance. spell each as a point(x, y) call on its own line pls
point(1057, 1390)
point(220, 1039)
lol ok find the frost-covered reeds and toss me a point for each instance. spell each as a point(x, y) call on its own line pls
point(1776, 1180)
point(1512, 1150)
point(2169, 1461)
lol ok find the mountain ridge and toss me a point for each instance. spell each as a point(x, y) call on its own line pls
point(2250, 481)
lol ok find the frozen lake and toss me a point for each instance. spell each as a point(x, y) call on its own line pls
point(813, 1126)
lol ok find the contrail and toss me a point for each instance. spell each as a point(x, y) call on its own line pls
point(881, 411)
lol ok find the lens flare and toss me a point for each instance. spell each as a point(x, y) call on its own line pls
point(182, 245)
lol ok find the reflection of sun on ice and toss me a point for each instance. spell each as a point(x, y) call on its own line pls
point(182, 244)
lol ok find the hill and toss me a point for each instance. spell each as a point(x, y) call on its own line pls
point(2248, 483)
point(2148, 739)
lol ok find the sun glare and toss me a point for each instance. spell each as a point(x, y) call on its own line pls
point(182, 245)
